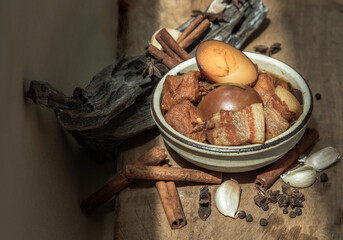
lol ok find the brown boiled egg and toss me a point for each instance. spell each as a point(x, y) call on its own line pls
point(229, 98)
point(221, 62)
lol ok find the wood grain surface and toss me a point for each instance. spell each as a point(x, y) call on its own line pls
point(312, 42)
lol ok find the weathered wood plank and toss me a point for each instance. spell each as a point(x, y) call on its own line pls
point(310, 35)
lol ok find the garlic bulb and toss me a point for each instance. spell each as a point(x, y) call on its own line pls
point(322, 159)
point(301, 177)
point(173, 32)
point(227, 198)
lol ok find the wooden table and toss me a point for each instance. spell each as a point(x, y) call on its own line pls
point(312, 42)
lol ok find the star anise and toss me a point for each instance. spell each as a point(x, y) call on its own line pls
point(151, 67)
point(268, 197)
point(272, 196)
point(212, 17)
point(269, 51)
point(259, 199)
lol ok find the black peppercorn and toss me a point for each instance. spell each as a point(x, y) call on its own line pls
point(265, 207)
point(318, 96)
point(263, 222)
point(324, 177)
point(285, 211)
point(249, 218)
point(242, 214)
point(298, 211)
point(292, 214)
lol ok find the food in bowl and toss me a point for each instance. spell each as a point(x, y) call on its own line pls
point(246, 105)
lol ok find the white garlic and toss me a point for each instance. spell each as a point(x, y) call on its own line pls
point(302, 177)
point(322, 159)
point(227, 198)
point(216, 7)
point(173, 32)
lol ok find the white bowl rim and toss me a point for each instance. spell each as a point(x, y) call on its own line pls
point(230, 149)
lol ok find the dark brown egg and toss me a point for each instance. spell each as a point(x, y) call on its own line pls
point(229, 98)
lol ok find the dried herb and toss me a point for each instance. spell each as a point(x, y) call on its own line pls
point(269, 51)
point(324, 177)
point(204, 203)
point(285, 211)
point(151, 67)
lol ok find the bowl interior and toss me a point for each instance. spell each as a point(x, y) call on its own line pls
point(264, 62)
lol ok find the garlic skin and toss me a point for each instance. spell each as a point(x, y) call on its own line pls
point(301, 177)
point(227, 198)
point(173, 32)
point(322, 159)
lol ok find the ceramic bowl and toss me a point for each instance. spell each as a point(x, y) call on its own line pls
point(237, 158)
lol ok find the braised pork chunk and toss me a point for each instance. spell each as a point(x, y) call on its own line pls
point(179, 88)
point(183, 118)
point(236, 128)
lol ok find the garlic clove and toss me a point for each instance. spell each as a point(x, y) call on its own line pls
point(173, 32)
point(301, 177)
point(322, 159)
point(216, 7)
point(227, 198)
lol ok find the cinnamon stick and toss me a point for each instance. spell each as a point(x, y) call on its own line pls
point(195, 34)
point(173, 45)
point(190, 28)
point(153, 157)
point(272, 173)
point(173, 174)
point(167, 49)
point(171, 204)
point(158, 54)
